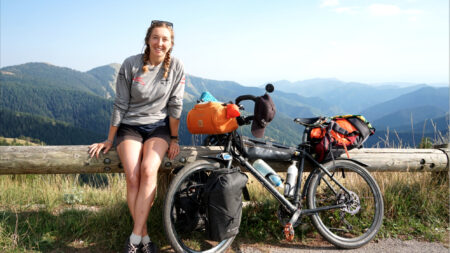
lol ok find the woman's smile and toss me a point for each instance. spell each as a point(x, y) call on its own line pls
point(160, 42)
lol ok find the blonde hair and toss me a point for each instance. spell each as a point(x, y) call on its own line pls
point(146, 56)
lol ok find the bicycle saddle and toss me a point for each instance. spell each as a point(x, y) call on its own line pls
point(310, 122)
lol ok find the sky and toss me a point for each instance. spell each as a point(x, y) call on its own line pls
point(249, 42)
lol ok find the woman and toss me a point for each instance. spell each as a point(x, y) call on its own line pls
point(145, 118)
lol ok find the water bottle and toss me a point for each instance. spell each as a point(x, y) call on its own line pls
point(291, 180)
point(268, 172)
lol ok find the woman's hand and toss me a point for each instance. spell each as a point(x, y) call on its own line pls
point(95, 148)
point(174, 149)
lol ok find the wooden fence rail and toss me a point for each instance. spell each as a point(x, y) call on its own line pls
point(75, 159)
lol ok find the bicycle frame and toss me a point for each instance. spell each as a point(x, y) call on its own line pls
point(302, 155)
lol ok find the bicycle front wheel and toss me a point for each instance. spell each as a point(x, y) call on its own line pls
point(357, 221)
point(184, 212)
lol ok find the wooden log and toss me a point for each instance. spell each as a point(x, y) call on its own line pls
point(384, 159)
point(75, 159)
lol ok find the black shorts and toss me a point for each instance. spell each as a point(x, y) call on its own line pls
point(129, 132)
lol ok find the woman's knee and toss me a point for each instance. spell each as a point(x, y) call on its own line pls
point(149, 171)
point(133, 181)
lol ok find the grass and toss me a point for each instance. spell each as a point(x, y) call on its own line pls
point(20, 141)
point(416, 205)
point(66, 213)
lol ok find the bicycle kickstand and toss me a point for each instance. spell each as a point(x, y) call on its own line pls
point(289, 232)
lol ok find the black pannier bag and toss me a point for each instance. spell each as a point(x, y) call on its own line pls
point(266, 150)
point(223, 197)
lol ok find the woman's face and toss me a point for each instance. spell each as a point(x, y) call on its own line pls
point(160, 42)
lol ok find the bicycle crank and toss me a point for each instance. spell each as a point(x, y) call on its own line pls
point(288, 228)
point(289, 232)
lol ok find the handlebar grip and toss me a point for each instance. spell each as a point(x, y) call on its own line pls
point(244, 97)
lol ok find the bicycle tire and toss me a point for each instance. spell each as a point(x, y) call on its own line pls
point(350, 227)
point(197, 240)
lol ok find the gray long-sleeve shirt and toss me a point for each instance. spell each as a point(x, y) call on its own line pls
point(147, 98)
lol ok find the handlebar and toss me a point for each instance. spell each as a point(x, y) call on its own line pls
point(269, 89)
point(244, 97)
point(247, 120)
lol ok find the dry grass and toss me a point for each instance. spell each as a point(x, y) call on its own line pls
point(47, 212)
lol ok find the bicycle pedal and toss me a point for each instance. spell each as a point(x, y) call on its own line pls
point(289, 232)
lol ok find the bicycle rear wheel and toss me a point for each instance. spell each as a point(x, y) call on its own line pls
point(184, 213)
point(359, 220)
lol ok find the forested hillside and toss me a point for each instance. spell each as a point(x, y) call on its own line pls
point(52, 132)
point(78, 108)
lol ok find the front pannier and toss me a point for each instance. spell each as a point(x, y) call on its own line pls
point(223, 197)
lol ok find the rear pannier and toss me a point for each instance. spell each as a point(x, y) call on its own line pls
point(339, 135)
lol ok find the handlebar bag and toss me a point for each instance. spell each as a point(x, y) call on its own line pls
point(254, 149)
point(210, 118)
point(223, 198)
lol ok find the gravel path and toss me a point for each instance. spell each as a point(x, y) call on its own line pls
point(387, 245)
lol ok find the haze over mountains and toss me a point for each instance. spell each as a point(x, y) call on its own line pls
point(75, 107)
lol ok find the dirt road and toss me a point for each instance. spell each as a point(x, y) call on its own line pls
point(387, 245)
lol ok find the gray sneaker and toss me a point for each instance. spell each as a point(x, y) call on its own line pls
point(130, 248)
point(149, 248)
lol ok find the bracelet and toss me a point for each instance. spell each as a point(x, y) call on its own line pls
point(110, 141)
point(174, 137)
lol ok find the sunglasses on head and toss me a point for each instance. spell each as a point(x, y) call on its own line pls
point(158, 22)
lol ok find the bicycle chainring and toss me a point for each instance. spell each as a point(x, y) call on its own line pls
point(284, 216)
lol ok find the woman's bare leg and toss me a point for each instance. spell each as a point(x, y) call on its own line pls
point(130, 153)
point(152, 155)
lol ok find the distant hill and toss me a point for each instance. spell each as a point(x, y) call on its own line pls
point(64, 100)
point(435, 99)
point(290, 104)
point(408, 116)
point(107, 76)
point(346, 97)
point(55, 99)
point(50, 76)
point(406, 119)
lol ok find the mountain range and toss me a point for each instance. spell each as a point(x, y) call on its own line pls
point(64, 103)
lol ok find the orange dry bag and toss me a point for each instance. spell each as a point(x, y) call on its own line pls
point(210, 118)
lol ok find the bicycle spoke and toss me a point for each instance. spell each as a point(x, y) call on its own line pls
point(329, 185)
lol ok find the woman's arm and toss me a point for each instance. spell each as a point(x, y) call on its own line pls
point(174, 147)
point(121, 103)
